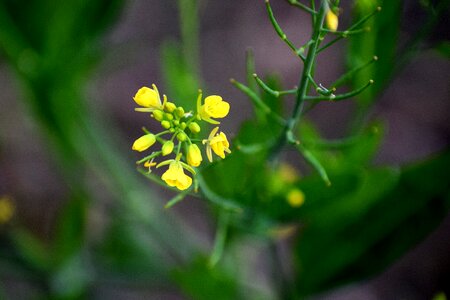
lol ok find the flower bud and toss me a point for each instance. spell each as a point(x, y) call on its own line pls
point(181, 136)
point(167, 148)
point(165, 124)
point(194, 127)
point(168, 116)
point(144, 142)
point(158, 115)
point(176, 122)
point(331, 20)
point(170, 107)
point(295, 197)
point(179, 112)
point(183, 125)
point(194, 156)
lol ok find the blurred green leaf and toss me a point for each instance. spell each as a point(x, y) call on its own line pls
point(71, 228)
point(181, 85)
point(201, 282)
point(31, 250)
point(342, 237)
point(443, 48)
point(380, 41)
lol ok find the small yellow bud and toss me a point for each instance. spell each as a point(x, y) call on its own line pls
point(170, 107)
point(194, 156)
point(167, 148)
point(144, 142)
point(179, 112)
point(176, 122)
point(168, 116)
point(7, 209)
point(295, 197)
point(165, 124)
point(183, 125)
point(158, 115)
point(194, 127)
point(331, 20)
point(181, 136)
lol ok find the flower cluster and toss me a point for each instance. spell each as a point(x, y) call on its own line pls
point(179, 135)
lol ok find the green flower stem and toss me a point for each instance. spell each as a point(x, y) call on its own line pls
point(302, 6)
point(258, 102)
point(219, 241)
point(154, 154)
point(176, 199)
point(341, 96)
point(270, 91)
point(346, 33)
point(304, 80)
point(280, 32)
point(353, 27)
point(347, 76)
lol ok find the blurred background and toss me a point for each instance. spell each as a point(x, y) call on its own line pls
point(77, 221)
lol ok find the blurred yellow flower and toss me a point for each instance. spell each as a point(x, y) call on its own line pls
point(148, 97)
point(295, 197)
point(331, 20)
point(175, 176)
point(7, 209)
point(217, 143)
point(144, 142)
point(194, 156)
point(214, 107)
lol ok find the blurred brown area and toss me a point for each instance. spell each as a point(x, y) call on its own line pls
point(415, 106)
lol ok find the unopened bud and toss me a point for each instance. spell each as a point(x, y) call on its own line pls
point(165, 124)
point(158, 115)
point(194, 127)
point(181, 136)
point(170, 107)
point(179, 112)
point(167, 148)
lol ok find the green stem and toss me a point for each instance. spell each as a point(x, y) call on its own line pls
point(288, 136)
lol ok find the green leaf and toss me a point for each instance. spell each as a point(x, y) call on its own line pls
point(31, 250)
point(181, 84)
point(357, 234)
point(201, 282)
point(71, 228)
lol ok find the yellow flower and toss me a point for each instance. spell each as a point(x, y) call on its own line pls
point(214, 107)
point(194, 156)
point(144, 142)
point(6, 209)
point(218, 143)
point(148, 97)
point(295, 197)
point(175, 176)
point(331, 20)
point(149, 164)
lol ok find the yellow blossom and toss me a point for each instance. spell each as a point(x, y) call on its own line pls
point(214, 107)
point(217, 143)
point(144, 142)
point(295, 197)
point(331, 20)
point(175, 176)
point(6, 209)
point(194, 156)
point(148, 97)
